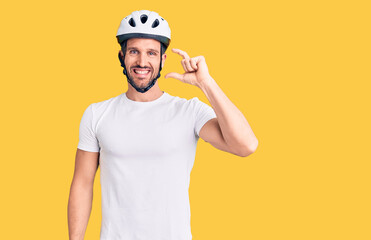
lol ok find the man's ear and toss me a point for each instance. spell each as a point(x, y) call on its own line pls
point(121, 54)
point(163, 60)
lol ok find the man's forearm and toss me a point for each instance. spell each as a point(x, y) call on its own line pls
point(234, 126)
point(79, 209)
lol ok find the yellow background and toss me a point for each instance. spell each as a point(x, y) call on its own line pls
point(298, 70)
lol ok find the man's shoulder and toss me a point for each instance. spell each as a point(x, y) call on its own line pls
point(184, 103)
point(182, 100)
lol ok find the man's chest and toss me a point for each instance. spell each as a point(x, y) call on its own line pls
point(156, 134)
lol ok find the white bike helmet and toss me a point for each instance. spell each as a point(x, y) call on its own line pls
point(144, 24)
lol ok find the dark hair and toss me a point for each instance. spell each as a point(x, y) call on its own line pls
point(123, 47)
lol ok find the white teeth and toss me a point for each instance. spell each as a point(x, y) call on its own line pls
point(141, 72)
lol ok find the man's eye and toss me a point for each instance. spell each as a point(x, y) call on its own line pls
point(133, 51)
point(152, 53)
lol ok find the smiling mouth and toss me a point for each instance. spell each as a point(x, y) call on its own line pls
point(141, 72)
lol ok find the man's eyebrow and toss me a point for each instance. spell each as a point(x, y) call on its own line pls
point(150, 49)
point(132, 48)
point(154, 50)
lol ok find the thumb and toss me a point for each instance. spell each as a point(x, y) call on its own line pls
point(174, 75)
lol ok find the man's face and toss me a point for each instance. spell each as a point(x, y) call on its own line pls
point(142, 60)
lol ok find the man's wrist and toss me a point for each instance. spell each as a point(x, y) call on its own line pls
point(207, 82)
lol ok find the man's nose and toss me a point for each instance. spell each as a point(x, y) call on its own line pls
point(142, 60)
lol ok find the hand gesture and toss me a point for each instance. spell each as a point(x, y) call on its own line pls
point(195, 68)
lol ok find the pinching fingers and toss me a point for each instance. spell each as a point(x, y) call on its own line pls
point(193, 64)
point(175, 75)
point(184, 65)
point(181, 53)
point(188, 65)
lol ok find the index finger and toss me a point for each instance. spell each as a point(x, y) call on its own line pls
point(181, 53)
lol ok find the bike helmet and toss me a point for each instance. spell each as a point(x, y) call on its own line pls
point(144, 24)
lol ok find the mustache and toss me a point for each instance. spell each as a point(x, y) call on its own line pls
point(141, 67)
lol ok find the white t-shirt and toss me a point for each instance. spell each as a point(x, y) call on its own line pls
point(147, 151)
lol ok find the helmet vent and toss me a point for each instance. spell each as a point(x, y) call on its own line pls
point(132, 22)
point(143, 18)
point(155, 23)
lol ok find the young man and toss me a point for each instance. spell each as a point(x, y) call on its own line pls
point(145, 141)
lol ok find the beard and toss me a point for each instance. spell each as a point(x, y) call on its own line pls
point(142, 88)
point(130, 79)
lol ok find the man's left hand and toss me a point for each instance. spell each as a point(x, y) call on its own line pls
point(196, 71)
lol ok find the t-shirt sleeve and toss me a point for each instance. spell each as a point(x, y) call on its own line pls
point(203, 113)
point(87, 137)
